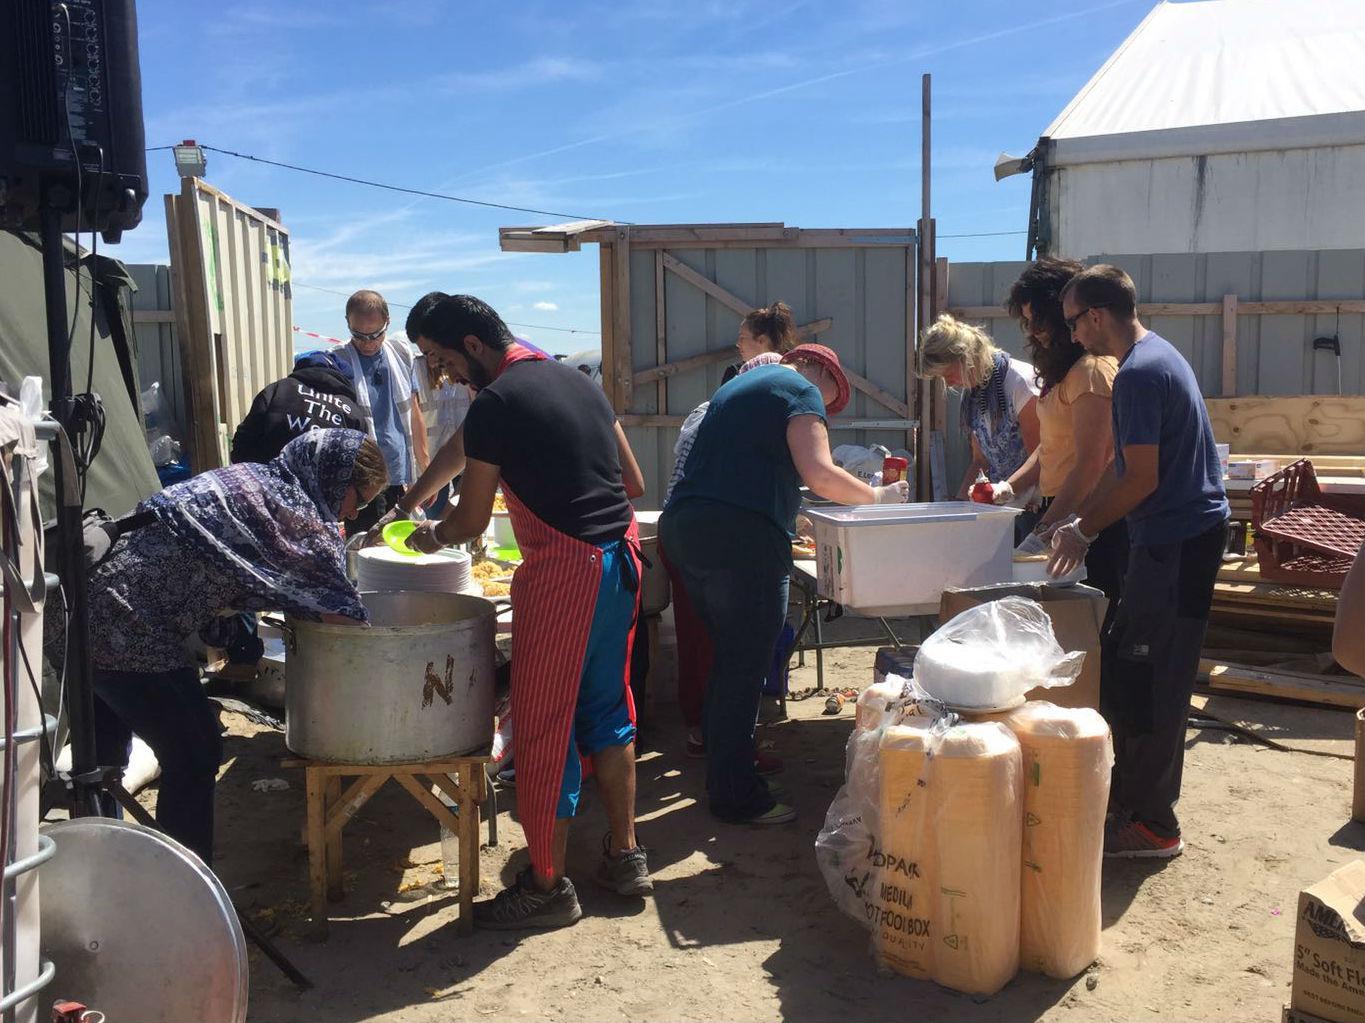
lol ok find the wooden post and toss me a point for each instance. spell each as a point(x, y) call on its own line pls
point(335, 883)
point(622, 353)
point(469, 844)
point(1229, 346)
point(660, 334)
point(316, 785)
point(924, 277)
point(606, 268)
point(912, 438)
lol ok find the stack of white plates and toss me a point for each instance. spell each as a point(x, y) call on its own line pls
point(381, 568)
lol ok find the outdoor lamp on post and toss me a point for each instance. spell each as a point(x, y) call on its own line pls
point(189, 159)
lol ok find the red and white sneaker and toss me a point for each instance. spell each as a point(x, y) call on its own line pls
point(1136, 841)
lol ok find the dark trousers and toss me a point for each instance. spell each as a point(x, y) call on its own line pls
point(734, 565)
point(1149, 660)
point(171, 714)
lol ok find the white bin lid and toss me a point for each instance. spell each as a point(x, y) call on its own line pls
point(907, 514)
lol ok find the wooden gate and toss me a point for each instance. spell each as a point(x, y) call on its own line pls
point(673, 296)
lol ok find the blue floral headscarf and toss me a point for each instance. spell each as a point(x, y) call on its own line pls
point(273, 526)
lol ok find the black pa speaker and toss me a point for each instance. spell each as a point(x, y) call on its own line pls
point(71, 130)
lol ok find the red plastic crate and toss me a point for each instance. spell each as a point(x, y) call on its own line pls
point(1304, 536)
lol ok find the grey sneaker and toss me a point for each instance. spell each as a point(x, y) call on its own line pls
point(524, 906)
point(627, 874)
point(781, 813)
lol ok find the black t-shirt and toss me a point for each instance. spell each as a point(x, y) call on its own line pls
point(310, 398)
point(551, 431)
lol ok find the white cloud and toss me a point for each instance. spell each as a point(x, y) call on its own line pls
point(545, 307)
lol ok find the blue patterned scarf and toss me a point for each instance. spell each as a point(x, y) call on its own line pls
point(273, 527)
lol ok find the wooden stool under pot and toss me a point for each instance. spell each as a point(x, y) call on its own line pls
point(463, 780)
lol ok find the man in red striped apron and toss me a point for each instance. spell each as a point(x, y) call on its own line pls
point(546, 434)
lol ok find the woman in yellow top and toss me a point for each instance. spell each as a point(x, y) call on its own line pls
point(1075, 430)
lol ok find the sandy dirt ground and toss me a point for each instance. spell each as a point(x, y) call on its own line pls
point(741, 926)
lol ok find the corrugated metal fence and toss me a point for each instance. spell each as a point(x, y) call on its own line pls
point(158, 352)
point(1251, 331)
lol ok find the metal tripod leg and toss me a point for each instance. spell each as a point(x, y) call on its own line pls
point(249, 929)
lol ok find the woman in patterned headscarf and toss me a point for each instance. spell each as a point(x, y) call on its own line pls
point(250, 537)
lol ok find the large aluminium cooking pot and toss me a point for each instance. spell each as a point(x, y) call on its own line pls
point(416, 685)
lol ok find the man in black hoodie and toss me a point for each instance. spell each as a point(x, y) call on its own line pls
point(319, 393)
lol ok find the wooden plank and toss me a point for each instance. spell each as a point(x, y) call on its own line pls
point(938, 467)
point(727, 354)
point(623, 354)
point(154, 315)
point(606, 288)
point(193, 327)
point(335, 882)
point(911, 377)
point(737, 305)
point(1229, 345)
point(1329, 690)
point(469, 846)
point(878, 394)
point(660, 334)
point(1305, 424)
point(1298, 307)
point(434, 806)
point(316, 830)
point(806, 331)
point(357, 794)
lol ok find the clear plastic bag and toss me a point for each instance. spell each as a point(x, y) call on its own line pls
point(989, 656)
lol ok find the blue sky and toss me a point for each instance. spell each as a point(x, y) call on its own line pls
point(650, 112)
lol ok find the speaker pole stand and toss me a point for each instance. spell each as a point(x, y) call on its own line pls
point(80, 699)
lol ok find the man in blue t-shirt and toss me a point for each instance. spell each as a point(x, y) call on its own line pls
point(1166, 481)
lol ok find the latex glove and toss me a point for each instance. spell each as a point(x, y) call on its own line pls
point(424, 539)
point(374, 535)
point(1033, 544)
point(1044, 533)
point(1002, 492)
point(1069, 545)
point(892, 493)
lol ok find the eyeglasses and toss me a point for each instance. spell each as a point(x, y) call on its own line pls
point(1072, 320)
point(373, 335)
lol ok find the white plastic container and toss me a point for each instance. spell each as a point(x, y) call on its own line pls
point(503, 536)
point(898, 559)
point(655, 592)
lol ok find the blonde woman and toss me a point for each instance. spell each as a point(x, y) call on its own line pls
point(999, 402)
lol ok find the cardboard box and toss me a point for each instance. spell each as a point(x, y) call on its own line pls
point(1358, 800)
point(1292, 1015)
point(1077, 612)
point(1329, 947)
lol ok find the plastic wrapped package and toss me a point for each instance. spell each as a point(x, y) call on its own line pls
point(976, 802)
point(989, 656)
point(846, 848)
point(1067, 757)
point(901, 932)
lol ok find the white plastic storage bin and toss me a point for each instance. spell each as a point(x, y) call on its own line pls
point(898, 559)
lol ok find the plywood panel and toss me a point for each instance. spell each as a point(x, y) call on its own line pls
point(1325, 425)
point(234, 320)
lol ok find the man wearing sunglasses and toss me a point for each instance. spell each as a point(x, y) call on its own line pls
point(1167, 482)
point(382, 370)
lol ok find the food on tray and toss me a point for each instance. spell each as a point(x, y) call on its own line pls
point(499, 502)
point(803, 547)
point(1021, 559)
point(494, 578)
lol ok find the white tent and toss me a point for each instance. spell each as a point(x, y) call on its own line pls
point(1218, 125)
